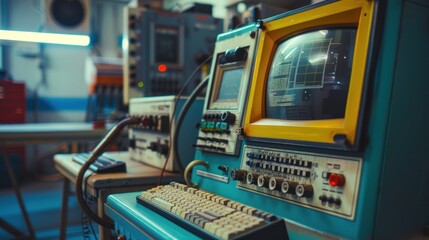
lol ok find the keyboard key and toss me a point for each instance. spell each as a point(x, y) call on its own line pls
point(162, 203)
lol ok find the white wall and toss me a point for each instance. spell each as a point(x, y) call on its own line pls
point(108, 22)
point(64, 69)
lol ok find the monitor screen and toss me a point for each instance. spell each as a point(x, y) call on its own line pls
point(166, 45)
point(309, 76)
point(230, 84)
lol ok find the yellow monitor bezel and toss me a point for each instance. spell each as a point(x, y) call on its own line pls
point(345, 13)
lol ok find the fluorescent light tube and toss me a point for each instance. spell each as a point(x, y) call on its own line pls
point(40, 37)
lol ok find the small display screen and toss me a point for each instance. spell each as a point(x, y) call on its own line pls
point(230, 84)
point(166, 45)
point(310, 75)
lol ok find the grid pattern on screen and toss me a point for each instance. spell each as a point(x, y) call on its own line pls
point(309, 70)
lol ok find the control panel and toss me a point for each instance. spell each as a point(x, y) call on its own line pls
point(131, 45)
point(218, 131)
point(161, 49)
point(322, 182)
point(229, 80)
point(150, 141)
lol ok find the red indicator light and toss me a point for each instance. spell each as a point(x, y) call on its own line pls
point(337, 180)
point(145, 121)
point(162, 68)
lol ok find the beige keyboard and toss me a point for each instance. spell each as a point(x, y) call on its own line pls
point(206, 214)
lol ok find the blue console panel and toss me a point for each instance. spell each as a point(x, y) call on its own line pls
point(134, 221)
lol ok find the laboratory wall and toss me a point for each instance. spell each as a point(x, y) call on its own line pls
point(53, 74)
point(56, 88)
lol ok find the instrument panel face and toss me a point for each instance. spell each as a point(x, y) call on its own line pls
point(322, 182)
point(231, 72)
point(150, 141)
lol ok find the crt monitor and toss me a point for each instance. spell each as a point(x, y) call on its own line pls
point(228, 80)
point(310, 75)
point(229, 84)
point(309, 84)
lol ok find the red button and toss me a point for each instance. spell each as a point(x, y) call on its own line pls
point(337, 180)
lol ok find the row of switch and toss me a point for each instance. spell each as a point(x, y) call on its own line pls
point(161, 148)
point(331, 201)
point(290, 161)
point(215, 126)
point(208, 139)
point(273, 183)
point(209, 147)
point(278, 168)
point(155, 122)
point(133, 49)
point(226, 117)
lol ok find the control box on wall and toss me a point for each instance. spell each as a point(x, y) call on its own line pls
point(161, 50)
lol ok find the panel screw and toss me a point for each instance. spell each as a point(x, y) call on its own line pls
point(252, 34)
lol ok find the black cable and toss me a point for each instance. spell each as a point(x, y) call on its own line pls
point(89, 200)
point(105, 142)
point(176, 100)
point(85, 220)
point(179, 122)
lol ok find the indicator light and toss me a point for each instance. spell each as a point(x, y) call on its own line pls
point(162, 68)
point(337, 180)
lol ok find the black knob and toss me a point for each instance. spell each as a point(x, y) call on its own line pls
point(228, 117)
point(238, 174)
point(251, 178)
point(157, 121)
point(235, 55)
point(304, 190)
point(153, 146)
point(165, 124)
point(275, 183)
point(337, 201)
point(223, 168)
point(288, 187)
point(263, 181)
point(162, 149)
point(151, 122)
point(132, 143)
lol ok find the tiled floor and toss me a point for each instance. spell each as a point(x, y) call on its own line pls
point(43, 203)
